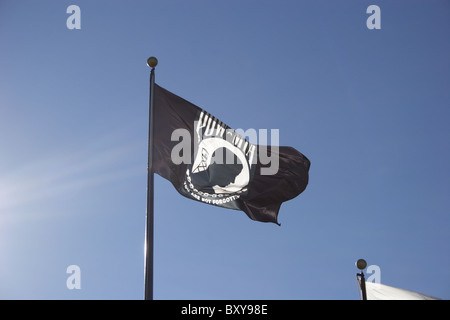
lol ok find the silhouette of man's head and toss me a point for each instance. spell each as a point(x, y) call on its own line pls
point(222, 171)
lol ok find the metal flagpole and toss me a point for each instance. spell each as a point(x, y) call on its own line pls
point(361, 264)
point(148, 273)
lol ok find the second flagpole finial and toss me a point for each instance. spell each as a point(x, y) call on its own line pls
point(152, 62)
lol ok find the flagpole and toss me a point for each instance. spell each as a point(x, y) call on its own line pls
point(361, 264)
point(148, 272)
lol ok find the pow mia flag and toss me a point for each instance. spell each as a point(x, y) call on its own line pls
point(207, 161)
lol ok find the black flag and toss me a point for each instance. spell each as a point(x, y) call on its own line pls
point(209, 162)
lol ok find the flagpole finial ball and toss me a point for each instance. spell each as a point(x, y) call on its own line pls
point(361, 264)
point(152, 62)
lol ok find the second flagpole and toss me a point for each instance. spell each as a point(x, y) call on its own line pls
point(148, 272)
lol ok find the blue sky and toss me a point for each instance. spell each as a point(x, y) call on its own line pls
point(369, 108)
